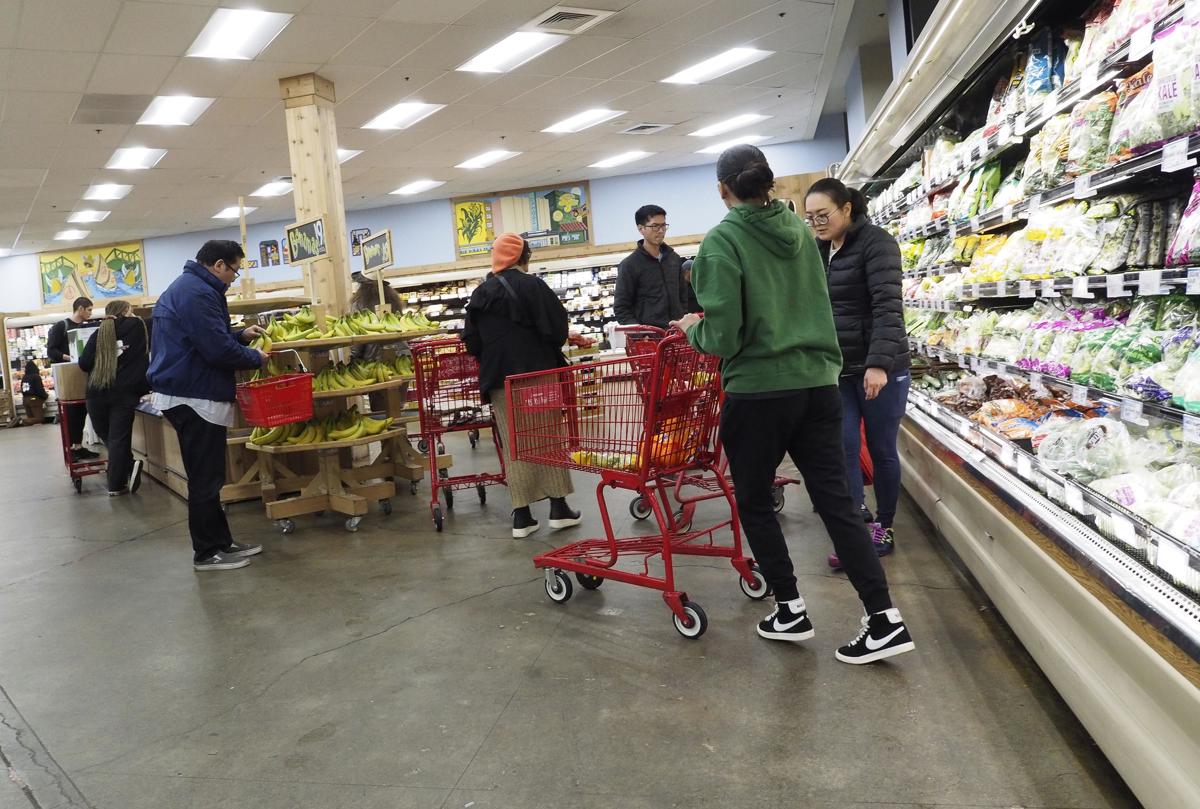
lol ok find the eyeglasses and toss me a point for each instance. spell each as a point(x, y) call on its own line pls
point(662, 228)
point(820, 220)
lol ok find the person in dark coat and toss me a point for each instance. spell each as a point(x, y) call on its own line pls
point(58, 347)
point(652, 287)
point(33, 394)
point(116, 358)
point(864, 270)
point(515, 324)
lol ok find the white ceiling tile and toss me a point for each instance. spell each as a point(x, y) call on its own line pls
point(800, 74)
point(384, 43)
point(65, 25)
point(503, 90)
point(350, 8)
point(206, 78)
point(27, 155)
point(156, 29)
point(40, 107)
point(443, 11)
point(628, 56)
point(21, 178)
point(349, 79)
point(648, 15)
point(125, 74)
point(313, 38)
point(392, 86)
point(567, 57)
point(454, 45)
point(51, 71)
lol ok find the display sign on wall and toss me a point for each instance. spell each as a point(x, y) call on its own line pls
point(356, 239)
point(546, 217)
point(99, 273)
point(268, 253)
point(306, 241)
point(377, 253)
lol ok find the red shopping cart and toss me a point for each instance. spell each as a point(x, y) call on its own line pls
point(448, 401)
point(638, 422)
point(78, 470)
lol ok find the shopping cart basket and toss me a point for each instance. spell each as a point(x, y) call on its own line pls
point(637, 422)
point(449, 401)
point(78, 470)
point(283, 399)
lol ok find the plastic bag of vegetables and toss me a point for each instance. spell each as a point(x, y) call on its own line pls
point(1091, 125)
point(1185, 247)
point(1136, 109)
point(1056, 142)
point(1130, 489)
point(1174, 64)
point(1106, 367)
point(1175, 312)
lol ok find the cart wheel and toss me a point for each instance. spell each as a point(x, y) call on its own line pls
point(437, 518)
point(777, 499)
point(589, 582)
point(286, 526)
point(638, 508)
point(441, 448)
point(683, 521)
point(696, 622)
point(473, 437)
point(412, 488)
point(558, 586)
point(352, 524)
point(482, 490)
point(78, 482)
point(757, 591)
point(449, 495)
point(386, 506)
point(422, 446)
point(443, 473)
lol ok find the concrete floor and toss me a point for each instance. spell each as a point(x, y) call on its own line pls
point(396, 668)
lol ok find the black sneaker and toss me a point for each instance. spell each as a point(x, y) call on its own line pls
point(867, 516)
point(237, 549)
point(883, 635)
point(81, 454)
point(561, 514)
point(786, 623)
point(523, 523)
point(135, 477)
point(221, 561)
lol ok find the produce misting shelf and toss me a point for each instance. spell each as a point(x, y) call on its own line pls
point(286, 449)
point(363, 390)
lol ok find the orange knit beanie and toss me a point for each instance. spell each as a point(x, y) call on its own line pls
point(506, 251)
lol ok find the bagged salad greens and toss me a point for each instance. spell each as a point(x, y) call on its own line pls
point(1174, 65)
point(1091, 126)
point(1136, 109)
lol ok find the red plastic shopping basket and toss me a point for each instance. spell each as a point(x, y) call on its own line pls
point(279, 400)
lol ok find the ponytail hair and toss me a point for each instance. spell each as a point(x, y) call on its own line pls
point(745, 172)
point(837, 191)
point(104, 372)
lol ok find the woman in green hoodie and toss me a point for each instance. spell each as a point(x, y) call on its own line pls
point(761, 282)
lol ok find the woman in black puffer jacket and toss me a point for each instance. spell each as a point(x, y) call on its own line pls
point(864, 271)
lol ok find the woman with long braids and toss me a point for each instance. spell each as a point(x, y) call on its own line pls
point(116, 358)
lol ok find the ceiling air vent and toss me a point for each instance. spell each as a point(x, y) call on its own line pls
point(106, 108)
point(567, 20)
point(645, 129)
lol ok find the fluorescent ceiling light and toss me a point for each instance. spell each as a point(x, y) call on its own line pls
point(729, 124)
point(107, 191)
point(482, 161)
point(277, 188)
point(512, 52)
point(88, 216)
point(71, 235)
point(417, 186)
point(585, 119)
point(348, 154)
point(717, 148)
point(135, 158)
point(174, 111)
point(727, 62)
point(238, 33)
point(620, 159)
point(402, 116)
point(232, 212)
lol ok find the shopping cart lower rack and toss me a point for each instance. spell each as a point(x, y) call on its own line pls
point(449, 401)
point(639, 422)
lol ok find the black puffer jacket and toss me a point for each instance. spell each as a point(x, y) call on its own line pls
point(866, 293)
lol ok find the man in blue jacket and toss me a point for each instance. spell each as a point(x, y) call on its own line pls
point(194, 353)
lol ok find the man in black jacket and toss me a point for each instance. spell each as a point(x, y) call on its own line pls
point(58, 346)
point(651, 287)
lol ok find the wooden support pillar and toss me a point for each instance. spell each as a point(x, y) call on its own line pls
point(317, 181)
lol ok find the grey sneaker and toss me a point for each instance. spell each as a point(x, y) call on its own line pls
point(220, 561)
point(241, 551)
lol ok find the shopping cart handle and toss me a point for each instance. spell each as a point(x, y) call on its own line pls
point(299, 359)
point(648, 329)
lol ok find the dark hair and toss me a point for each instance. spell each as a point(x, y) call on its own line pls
point(646, 213)
point(366, 295)
point(838, 191)
point(526, 253)
point(31, 369)
point(744, 171)
point(79, 303)
point(219, 250)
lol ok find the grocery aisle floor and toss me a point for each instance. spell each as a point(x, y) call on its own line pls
point(403, 669)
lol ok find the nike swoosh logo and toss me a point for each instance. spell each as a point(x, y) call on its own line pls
point(875, 645)
point(785, 627)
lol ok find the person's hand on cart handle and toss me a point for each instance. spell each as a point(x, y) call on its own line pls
point(263, 357)
point(874, 380)
point(252, 332)
point(686, 322)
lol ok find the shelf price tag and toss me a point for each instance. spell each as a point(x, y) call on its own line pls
point(1191, 429)
point(1131, 411)
point(1035, 202)
point(1026, 289)
point(1115, 285)
point(1083, 187)
point(1008, 214)
point(1050, 105)
point(1024, 466)
point(1079, 287)
point(1142, 41)
point(1001, 289)
point(1193, 282)
point(953, 231)
point(1048, 290)
point(1056, 491)
point(1008, 456)
point(1079, 394)
point(1123, 528)
point(1091, 76)
point(964, 428)
point(975, 223)
point(1172, 559)
point(963, 361)
point(1150, 283)
point(1005, 134)
point(1021, 123)
point(1075, 501)
point(1175, 155)
point(1035, 379)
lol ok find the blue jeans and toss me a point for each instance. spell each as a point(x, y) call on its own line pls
point(881, 418)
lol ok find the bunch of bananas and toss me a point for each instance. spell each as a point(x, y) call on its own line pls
point(360, 373)
point(302, 326)
point(345, 426)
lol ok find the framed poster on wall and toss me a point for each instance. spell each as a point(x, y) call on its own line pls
point(99, 273)
point(554, 216)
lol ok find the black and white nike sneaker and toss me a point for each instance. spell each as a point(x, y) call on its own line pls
point(883, 635)
point(789, 621)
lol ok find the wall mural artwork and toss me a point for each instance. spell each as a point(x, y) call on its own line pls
point(547, 217)
point(112, 271)
point(268, 254)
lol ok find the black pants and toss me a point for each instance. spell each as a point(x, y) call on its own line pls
point(112, 418)
point(76, 418)
point(202, 445)
point(807, 426)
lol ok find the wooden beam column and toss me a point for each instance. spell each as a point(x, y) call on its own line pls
point(317, 181)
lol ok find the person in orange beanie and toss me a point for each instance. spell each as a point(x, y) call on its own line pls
point(516, 324)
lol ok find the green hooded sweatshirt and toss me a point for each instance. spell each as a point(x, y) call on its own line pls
point(761, 283)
